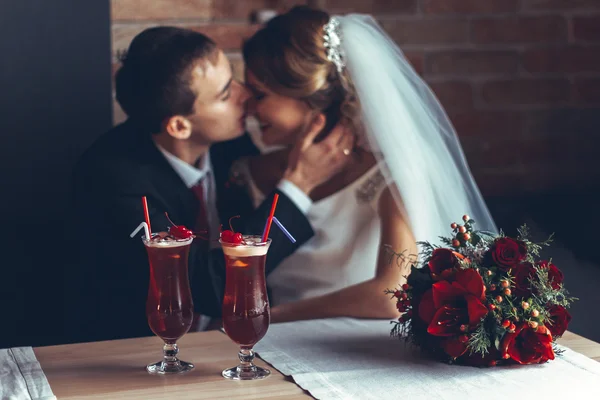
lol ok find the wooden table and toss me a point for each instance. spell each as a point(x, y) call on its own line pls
point(116, 370)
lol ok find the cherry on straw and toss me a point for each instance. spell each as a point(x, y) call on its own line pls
point(147, 215)
point(270, 219)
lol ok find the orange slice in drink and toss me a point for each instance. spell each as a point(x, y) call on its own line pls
point(239, 263)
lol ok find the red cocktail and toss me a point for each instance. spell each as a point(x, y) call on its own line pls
point(246, 312)
point(169, 306)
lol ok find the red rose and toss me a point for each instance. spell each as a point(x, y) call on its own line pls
point(527, 345)
point(523, 273)
point(507, 253)
point(447, 307)
point(559, 320)
point(444, 259)
point(555, 275)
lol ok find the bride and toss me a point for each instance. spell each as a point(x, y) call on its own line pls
point(407, 179)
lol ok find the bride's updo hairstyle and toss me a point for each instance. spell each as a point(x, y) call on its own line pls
point(289, 57)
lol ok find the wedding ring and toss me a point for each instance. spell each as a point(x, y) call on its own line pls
point(346, 152)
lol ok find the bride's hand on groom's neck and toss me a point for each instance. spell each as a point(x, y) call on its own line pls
point(311, 164)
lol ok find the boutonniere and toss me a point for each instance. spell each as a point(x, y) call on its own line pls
point(236, 178)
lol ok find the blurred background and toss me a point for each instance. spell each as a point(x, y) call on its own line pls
point(520, 79)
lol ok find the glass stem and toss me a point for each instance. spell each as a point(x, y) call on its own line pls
point(246, 357)
point(170, 351)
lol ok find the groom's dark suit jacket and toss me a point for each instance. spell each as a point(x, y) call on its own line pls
point(108, 281)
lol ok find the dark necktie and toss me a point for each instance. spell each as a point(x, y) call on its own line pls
point(202, 218)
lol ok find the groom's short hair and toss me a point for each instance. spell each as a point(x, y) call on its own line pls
point(154, 81)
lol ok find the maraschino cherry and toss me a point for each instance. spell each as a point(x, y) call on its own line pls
point(179, 231)
point(231, 236)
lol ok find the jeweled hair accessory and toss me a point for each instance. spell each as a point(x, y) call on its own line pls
point(333, 43)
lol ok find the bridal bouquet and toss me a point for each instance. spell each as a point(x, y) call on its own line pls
point(483, 300)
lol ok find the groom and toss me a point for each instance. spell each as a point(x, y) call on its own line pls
point(184, 130)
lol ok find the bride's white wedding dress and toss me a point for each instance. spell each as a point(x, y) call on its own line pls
point(345, 247)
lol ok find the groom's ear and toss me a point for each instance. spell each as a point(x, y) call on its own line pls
point(178, 127)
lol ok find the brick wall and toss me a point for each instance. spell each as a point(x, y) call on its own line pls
point(519, 78)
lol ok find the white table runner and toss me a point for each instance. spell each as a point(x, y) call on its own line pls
point(21, 376)
point(357, 359)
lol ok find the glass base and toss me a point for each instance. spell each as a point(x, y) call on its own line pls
point(163, 367)
point(240, 373)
